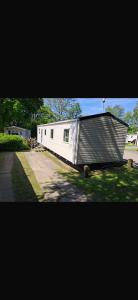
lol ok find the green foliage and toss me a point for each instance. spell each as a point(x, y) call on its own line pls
point(115, 185)
point(46, 115)
point(18, 111)
point(43, 116)
point(132, 129)
point(74, 111)
point(12, 143)
point(33, 127)
point(131, 118)
point(24, 112)
point(64, 108)
point(116, 110)
point(135, 115)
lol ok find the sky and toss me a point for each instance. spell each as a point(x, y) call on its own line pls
point(95, 106)
point(91, 106)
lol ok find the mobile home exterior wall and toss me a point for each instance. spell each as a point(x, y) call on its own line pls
point(57, 144)
point(92, 139)
point(101, 139)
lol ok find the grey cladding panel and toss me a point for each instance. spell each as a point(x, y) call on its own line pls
point(101, 140)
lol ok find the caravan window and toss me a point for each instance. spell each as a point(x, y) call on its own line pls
point(45, 131)
point(52, 133)
point(66, 135)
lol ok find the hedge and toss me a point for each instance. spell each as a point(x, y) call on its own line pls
point(12, 143)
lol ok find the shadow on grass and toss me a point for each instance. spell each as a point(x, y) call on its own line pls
point(23, 190)
point(116, 185)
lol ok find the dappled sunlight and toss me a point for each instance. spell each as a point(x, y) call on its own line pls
point(116, 185)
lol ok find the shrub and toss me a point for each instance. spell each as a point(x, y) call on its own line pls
point(12, 143)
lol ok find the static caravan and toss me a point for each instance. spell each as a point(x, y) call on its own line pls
point(132, 138)
point(87, 140)
point(14, 130)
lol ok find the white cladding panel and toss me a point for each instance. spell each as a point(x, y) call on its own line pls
point(57, 144)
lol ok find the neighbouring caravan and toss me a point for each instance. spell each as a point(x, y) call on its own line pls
point(14, 130)
point(87, 140)
point(132, 138)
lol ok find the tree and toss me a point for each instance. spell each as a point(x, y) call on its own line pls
point(74, 111)
point(116, 110)
point(30, 112)
point(18, 111)
point(129, 118)
point(64, 108)
point(6, 109)
point(132, 119)
point(135, 114)
point(46, 115)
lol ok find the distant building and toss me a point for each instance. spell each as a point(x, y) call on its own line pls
point(132, 138)
point(14, 130)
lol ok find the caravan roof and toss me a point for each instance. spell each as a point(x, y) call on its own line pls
point(87, 117)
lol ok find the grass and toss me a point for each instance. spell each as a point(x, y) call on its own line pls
point(129, 145)
point(131, 149)
point(25, 185)
point(114, 185)
point(118, 184)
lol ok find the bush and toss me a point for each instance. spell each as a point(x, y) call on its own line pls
point(12, 143)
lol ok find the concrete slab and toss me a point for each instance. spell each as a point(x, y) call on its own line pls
point(54, 185)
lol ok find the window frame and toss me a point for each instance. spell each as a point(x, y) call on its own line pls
point(52, 134)
point(64, 135)
point(45, 132)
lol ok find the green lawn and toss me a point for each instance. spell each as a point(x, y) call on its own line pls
point(129, 145)
point(131, 149)
point(25, 185)
point(114, 185)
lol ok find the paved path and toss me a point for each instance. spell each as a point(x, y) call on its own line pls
point(131, 154)
point(6, 190)
point(54, 185)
